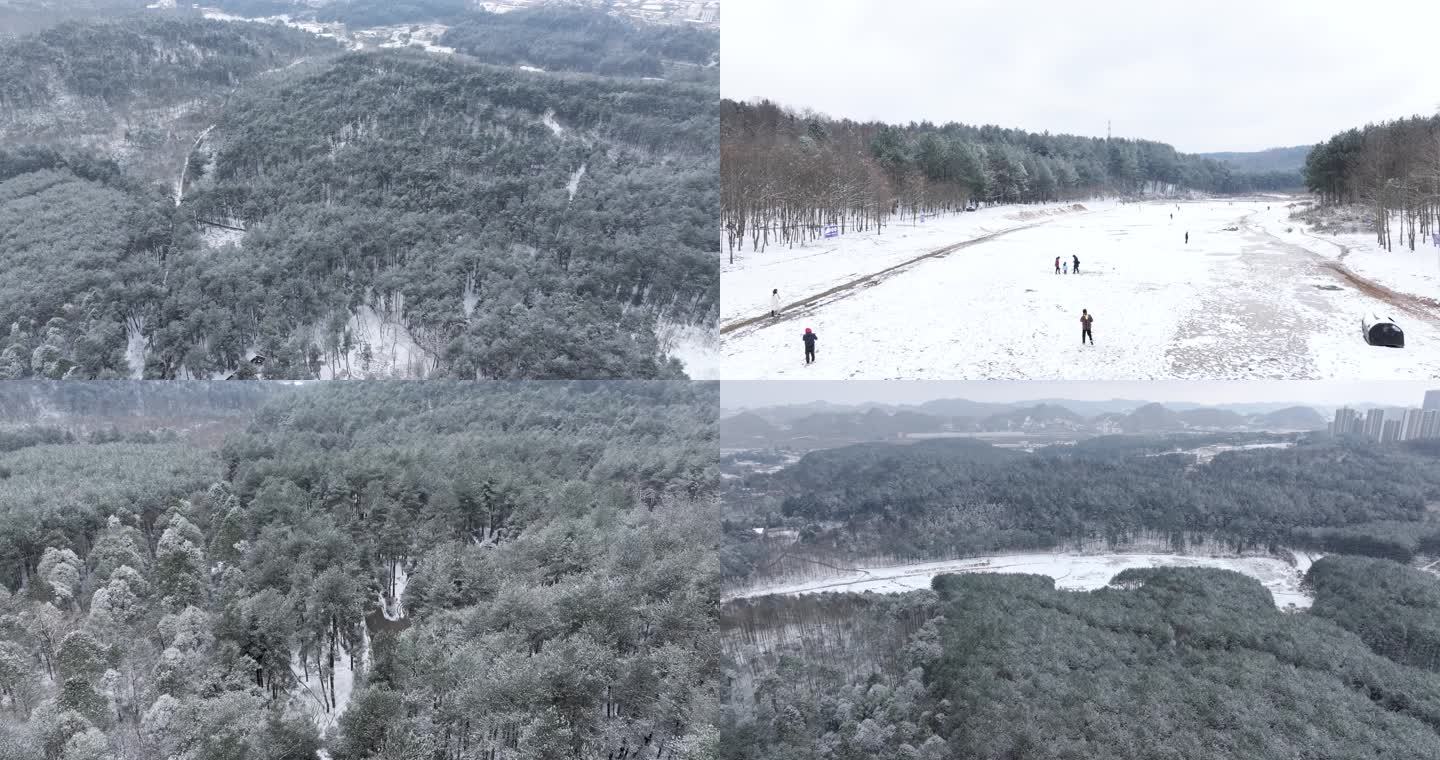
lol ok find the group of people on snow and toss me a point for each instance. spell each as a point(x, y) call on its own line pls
point(1065, 268)
point(809, 337)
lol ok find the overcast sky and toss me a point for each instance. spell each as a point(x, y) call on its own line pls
point(736, 394)
point(1202, 76)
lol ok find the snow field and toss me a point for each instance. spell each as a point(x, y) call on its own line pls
point(696, 346)
point(1074, 572)
point(1416, 273)
point(818, 265)
point(1233, 302)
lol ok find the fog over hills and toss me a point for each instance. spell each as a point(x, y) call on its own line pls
point(775, 425)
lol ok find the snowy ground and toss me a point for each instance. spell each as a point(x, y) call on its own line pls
point(1205, 454)
point(425, 36)
point(1236, 302)
point(1415, 273)
point(309, 693)
point(696, 346)
point(393, 351)
point(219, 237)
point(821, 264)
point(548, 119)
point(1074, 572)
point(395, 609)
point(332, 30)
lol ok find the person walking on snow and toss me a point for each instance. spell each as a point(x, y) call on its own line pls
point(1187, 237)
point(1066, 267)
point(1085, 320)
point(1057, 265)
point(775, 302)
point(809, 338)
point(1076, 268)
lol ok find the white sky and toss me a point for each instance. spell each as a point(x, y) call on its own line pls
point(1203, 76)
point(758, 393)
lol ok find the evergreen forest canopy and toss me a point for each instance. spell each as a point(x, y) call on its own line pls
point(575, 39)
point(376, 570)
point(1176, 662)
point(1392, 168)
point(358, 13)
point(554, 37)
point(374, 214)
point(948, 498)
point(786, 175)
point(22, 17)
point(135, 89)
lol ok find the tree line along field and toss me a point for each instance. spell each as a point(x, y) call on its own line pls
point(1174, 662)
point(359, 215)
point(950, 498)
point(1392, 169)
point(787, 176)
point(365, 570)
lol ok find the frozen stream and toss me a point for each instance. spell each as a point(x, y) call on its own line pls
point(1075, 572)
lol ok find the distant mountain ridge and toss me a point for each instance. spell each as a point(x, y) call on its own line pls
point(1268, 160)
point(823, 423)
point(959, 407)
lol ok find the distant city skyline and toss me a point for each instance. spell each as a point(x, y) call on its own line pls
point(1408, 424)
point(751, 394)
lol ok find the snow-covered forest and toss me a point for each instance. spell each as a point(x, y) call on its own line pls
point(841, 641)
point(1392, 169)
point(565, 38)
point(192, 198)
point(377, 570)
point(1175, 662)
point(948, 498)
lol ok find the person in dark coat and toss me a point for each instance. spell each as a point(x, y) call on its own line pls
point(1076, 268)
point(1057, 265)
point(1085, 320)
point(809, 338)
point(1187, 237)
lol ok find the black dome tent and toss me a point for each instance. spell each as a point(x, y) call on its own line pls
point(1382, 331)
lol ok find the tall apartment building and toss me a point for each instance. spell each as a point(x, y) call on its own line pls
point(1390, 431)
point(1374, 423)
point(1430, 424)
point(1341, 425)
point(1410, 425)
point(1432, 400)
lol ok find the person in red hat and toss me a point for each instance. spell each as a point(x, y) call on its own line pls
point(809, 337)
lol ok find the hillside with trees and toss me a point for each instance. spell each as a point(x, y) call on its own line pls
point(360, 13)
point(1393, 608)
point(950, 498)
point(1185, 663)
point(1269, 160)
point(373, 570)
point(392, 213)
point(22, 17)
point(136, 89)
point(1391, 168)
point(573, 39)
point(786, 175)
